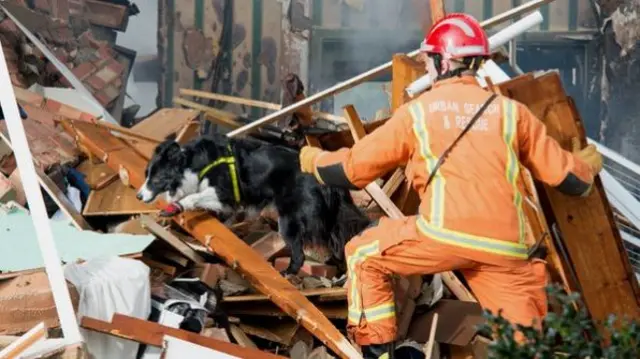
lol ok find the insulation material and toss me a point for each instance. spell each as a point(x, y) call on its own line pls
point(18, 236)
point(106, 286)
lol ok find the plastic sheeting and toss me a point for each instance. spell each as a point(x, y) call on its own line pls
point(107, 286)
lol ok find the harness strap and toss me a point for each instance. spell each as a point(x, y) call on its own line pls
point(229, 160)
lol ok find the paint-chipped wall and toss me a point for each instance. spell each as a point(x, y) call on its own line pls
point(560, 15)
point(196, 37)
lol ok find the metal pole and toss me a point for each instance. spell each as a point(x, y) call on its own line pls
point(345, 85)
point(44, 234)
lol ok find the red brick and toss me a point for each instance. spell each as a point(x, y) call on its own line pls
point(52, 105)
point(115, 66)
point(105, 14)
point(106, 74)
point(309, 268)
point(83, 70)
point(269, 245)
point(102, 98)
point(30, 97)
point(40, 115)
point(111, 93)
point(95, 82)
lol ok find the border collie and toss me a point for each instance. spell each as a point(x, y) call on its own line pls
point(198, 175)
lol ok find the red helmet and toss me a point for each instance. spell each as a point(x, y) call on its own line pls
point(456, 36)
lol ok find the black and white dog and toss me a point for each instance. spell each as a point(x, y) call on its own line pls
point(226, 175)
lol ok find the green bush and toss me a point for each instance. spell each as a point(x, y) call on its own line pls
point(569, 334)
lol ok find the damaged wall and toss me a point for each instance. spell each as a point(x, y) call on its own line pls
point(350, 37)
point(231, 47)
point(620, 78)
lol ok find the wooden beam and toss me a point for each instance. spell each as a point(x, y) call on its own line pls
point(252, 103)
point(151, 333)
point(437, 10)
point(595, 249)
point(219, 239)
point(172, 240)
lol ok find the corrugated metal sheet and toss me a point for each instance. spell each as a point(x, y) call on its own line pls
point(189, 35)
point(560, 16)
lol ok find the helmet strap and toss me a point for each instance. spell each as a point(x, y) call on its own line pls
point(469, 64)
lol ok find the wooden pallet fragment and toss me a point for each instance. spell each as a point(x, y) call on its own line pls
point(590, 235)
point(218, 238)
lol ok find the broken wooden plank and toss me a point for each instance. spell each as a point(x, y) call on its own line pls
point(241, 337)
point(127, 132)
point(437, 10)
point(592, 240)
point(172, 240)
point(277, 332)
point(151, 333)
point(116, 199)
point(161, 124)
point(19, 346)
point(334, 293)
point(218, 238)
point(166, 268)
point(252, 103)
point(97, 175)
point(332, 310)
point(188, 132)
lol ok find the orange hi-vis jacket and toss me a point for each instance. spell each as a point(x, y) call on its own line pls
point(473, 202)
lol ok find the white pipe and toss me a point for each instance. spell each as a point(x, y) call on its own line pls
point(37, 208)
point(498, 39)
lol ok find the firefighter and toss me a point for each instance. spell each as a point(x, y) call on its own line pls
point(470, 216)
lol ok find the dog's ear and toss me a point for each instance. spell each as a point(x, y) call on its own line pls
point(171, 137)
point(167, 147)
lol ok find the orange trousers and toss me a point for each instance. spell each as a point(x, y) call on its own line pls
point(396, 247)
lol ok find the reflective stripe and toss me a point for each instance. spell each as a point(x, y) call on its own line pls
point(359, 255)
point(465, 240)
point(509, 129)
point(416, 110)
point(377, 313)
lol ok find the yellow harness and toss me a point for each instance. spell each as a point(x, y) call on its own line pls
point(231, 161)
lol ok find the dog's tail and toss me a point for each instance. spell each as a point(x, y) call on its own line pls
point(348, 221)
